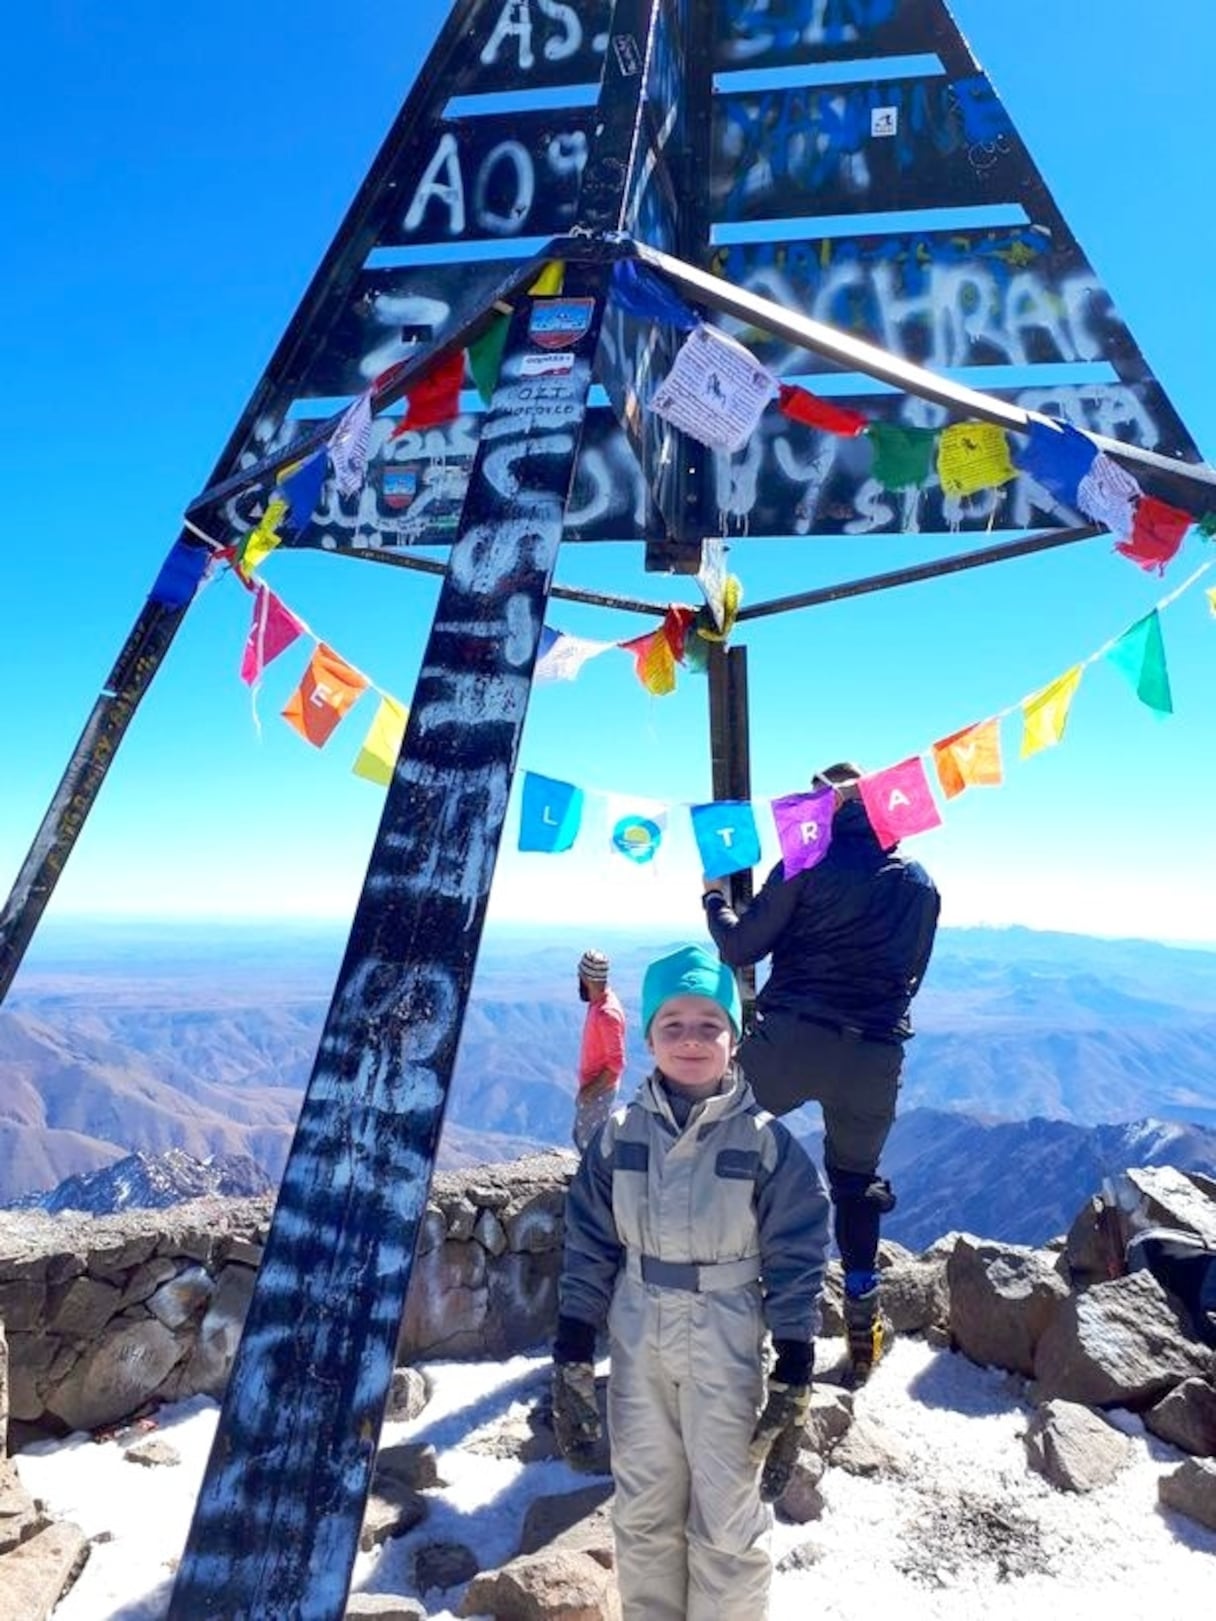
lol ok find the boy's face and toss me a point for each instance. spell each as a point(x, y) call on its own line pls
point(692, 1040)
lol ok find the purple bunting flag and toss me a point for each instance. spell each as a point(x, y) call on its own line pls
point(804, 828)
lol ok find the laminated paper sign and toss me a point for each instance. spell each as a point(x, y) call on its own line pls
point(715, 391)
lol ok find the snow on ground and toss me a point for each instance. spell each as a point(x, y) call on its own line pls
point(961, 1530)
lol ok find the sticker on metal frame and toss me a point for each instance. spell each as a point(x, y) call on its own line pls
point(558, 323)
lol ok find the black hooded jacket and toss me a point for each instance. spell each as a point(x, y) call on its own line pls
point(850, 939)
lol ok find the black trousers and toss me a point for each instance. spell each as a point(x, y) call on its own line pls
point(788, 1061)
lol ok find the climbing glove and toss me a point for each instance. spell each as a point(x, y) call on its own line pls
point(576, 1418)
point(778, 1433)
point(781, 1425)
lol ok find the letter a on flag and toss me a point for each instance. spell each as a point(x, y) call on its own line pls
point(329, 690)
point(726, 836)
point(804, 828)
point(898, 802)
point(551, 813)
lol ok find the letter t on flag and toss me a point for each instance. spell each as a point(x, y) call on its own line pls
point(550, 814)
point(726, 836)
point(898, 802)
point(804, 828)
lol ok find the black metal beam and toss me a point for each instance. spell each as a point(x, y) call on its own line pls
point(921, 571)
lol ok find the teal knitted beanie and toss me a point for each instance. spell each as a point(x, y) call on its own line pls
point(690, 971)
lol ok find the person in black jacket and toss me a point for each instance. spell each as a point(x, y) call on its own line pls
point(849, 940)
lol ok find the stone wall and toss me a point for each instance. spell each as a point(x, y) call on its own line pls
point(104, 1316)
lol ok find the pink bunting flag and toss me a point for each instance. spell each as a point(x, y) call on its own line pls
point(898, 802)
point(272, 631)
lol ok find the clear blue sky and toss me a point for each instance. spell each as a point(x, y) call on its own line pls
point(172, 176)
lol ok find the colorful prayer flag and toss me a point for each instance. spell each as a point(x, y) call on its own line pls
point(1045, 713)
point(434, 398)
point(550, 281)
point(970, 758)
point(1157, 531)
point(180, 574)
point(804, 828)
point(377, 756)
point(1108, 494)
point(640, 292)
point(898, 802)
point(329, 689)
point(260, 542)
point(560, 657)
point(272, 630)
point(1058, 458)
point(902, 455)
point(1139, 654)
point(973, 456)
point(636, 829)
point(726, 836)
point(349, 445)
point(802, 406)
point(654, 661)
point(485, 356)
point(716, 390)
point(550, 814)
point(301, 487)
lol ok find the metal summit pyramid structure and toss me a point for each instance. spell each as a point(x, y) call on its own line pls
point(833, 180)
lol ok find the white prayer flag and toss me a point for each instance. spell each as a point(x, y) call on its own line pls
point(715, 391)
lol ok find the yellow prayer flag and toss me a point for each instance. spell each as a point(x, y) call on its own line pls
point(260, 542)
point(1210, 593)
point(970, 758)
point(1045, 713)
point(381, 746)
point(550, 280)
point(655, 663)
point(973, 456)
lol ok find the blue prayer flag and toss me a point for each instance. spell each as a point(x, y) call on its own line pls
point(642, 293)
point(550, 814)
point(726, 836)
point(1058, 458)
point(180, 574)
point(302, 490)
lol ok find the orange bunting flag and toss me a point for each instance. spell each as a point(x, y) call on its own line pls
point(654, 661)
point(330, 688)
point(973, 456)
point(1045, 713)
point(970, 758)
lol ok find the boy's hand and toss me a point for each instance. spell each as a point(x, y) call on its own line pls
point(576, 1418)
point(779, 1430)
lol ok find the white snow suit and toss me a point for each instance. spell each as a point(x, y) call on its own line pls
point(691, 1242)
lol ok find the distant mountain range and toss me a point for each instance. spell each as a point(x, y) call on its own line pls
point(202, 1041)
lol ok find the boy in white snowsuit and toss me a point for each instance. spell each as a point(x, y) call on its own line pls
point(695, 1224)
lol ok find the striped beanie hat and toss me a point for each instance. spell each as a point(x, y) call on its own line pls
point(593, 967)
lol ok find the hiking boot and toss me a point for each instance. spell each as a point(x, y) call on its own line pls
point(867, 1332)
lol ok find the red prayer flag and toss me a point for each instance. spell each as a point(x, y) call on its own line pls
point(677, 623)
point(898, 802)
point(1157, 532)
point(435, 397)
point(802, 406)
point(328, 691)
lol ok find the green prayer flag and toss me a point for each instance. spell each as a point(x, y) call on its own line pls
point(485, 356)
point(903, 456)
point(1207, 526)
point(1139, 654)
